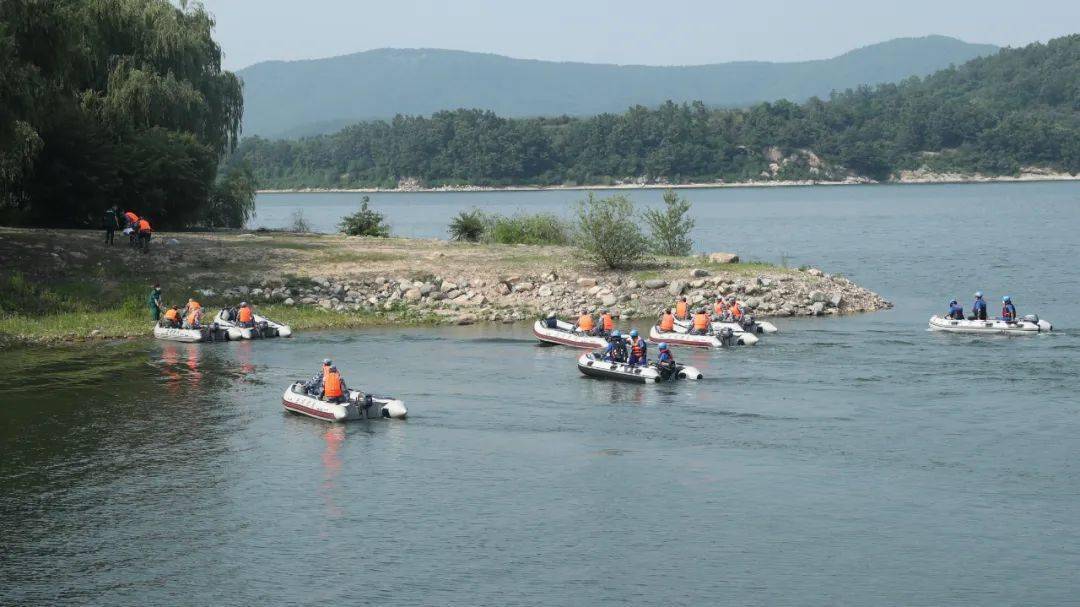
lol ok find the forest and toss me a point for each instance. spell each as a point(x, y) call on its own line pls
point(992, 115)
point(117, 102)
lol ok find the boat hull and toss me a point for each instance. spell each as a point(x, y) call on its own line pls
point(565, 335)
point(682, 338)
point(1024, 326)
point(209, 333)
point(357, 408)
point(593, 366)
point(272, 329)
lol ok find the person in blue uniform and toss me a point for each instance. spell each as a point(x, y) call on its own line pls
point(616, 348)
point(978, 309)
point(638, 349)
point(1008, 310)
point(956, 311)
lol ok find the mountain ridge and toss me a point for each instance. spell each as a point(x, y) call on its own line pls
point(287, 97)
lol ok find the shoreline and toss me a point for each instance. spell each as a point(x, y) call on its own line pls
point(63, 285)
point(911, 178)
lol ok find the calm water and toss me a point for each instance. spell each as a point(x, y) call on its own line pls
point(857, 461)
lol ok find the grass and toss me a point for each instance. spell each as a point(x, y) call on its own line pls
point(342, 256)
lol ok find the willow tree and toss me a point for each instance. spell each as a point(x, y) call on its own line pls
point(126, 104)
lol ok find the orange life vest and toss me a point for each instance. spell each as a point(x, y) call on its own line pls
point(172, 314)
point(193, 316)
point(680, 310)
point(667, 323)
point(332, 384)
point(194, 305)
point(585, 323)
point(245, 314)
point(735, 311)
point(131, 217)
point(701, 321)
point(144, 226)
point(608, 322)
point(637, 347)
point(718, 308)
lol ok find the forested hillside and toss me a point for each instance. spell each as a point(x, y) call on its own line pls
point(992, 115)
point(307, 97)
point(122, 102)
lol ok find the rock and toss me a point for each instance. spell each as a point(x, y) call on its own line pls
point(465, 319)
point(77, 255)
point(836, 300)
point(817, 308)
point(207, 292)
point(426, 288)
point(817, 296)
point(243, 290)
point(544, 291)
point(289, 301)
point(609, 300)
point(594, 290)
point(677, 287)
point(697, 284)
point(815, 272)
point(412, 295)
point(523, 286)
point(655, 283)
point(586, 282)
point(632, 284)
point(698, 273)
point(172, 242)
point(326, 303)
point(723, 258)
point(95, 333)
point(502, 288)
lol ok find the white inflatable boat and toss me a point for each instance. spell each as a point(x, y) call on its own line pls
point(264, 327)
point(212, 332)
point(748, 325)
point(359, 406)
point(1027, 325)
point(682, 337)
point(567, 335)
point(593, 365)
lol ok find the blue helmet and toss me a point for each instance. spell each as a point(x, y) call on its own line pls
point(978, 294)
point(1006, 299)
point(327, 362)
point(663, 345)
point(952, 303)
point(633, 332)
point(616, 333)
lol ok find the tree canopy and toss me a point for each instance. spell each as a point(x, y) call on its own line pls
point(108, 102)
point(995, 115)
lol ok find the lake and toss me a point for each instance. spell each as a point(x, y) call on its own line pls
point(858, 460)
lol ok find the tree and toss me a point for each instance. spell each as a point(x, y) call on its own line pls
point(365, 222)
point(671, 226)
point(607, 232)
point(232, 202)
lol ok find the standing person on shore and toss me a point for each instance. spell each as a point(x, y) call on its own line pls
point(153, 301)
point(110, 222)
point(144, 234)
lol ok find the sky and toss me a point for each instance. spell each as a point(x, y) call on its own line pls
point(672, 32)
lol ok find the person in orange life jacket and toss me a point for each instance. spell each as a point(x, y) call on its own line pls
point(131, 226)
point(682, 309)
point(333, 386)
point(701, 323)
point(192, 314)
point(639, 350)
point(616, 348)
point(144, 234)
point(607, 323)
point(172, 317)
point(736, 311)
point(1008, 310)
point(245, 316)
point(956, 311)
point(586, 323)
point(719, 308)
point(667, 321)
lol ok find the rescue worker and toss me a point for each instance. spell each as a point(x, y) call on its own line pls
point(638, 350)
point(110, 222)
point(665, 361)
point(314, 385)
point(616, 348)
point(333, 387)
point(144, 235)
point(956, 311)
point(978, 309)
point(735, 310)
point(551, 322)
point(719, 308)
point(245, 316)
point(586, 323)
point(153, 301)
point(667, 321)
point(131, 222)
point(701, 323)
point(172, 317)
point(1008, 310)
point(192, 314)
point(607, 323)
point(682, 309)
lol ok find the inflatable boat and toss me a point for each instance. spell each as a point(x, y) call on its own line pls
point(208, 333)
point(1027, 325)
point(264, 327)
point(567, 335)
point(593, 365)
point(359, 406)
point(682, 337)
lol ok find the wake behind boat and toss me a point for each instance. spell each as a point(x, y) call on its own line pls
point(567, 334)
point(593, 365)
point(1028, 325)
point(358, 406)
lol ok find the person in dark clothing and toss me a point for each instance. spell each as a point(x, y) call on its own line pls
point(110, 222)
point(552, 321)
point(978, 309)
point(616, 348)
point(1008, 310)
point(153, 301)
point(956, 311)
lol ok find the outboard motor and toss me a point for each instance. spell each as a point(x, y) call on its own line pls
point(727, 336)
point(1032, 318)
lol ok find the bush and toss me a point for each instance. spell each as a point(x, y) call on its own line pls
point(299, 223)
point(607, 232)
point(365, 222)
point(468, 226)
point(541, 228)
point(232, 200)
point(670, 226)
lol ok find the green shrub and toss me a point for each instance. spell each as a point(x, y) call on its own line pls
point(539, 228)
point(607, 232)
point(468, 226)
point(365, 222)
point(670, 226)
point(298, 223)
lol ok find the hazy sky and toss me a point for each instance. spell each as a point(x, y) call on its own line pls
point(624, 31)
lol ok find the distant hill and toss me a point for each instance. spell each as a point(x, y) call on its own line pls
point(309, 97)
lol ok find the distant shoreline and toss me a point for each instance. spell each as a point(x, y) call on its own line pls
point(912, 178)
